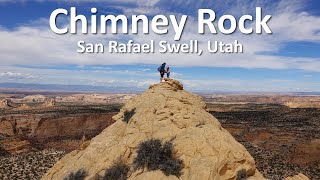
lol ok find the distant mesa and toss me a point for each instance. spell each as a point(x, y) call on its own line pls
point(35, 98)
point(96, 98)
point(302, 104)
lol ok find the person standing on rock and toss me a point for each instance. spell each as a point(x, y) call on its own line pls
point(168, 72)
point(162, 70)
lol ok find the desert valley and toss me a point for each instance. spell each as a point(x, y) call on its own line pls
point(281, 132)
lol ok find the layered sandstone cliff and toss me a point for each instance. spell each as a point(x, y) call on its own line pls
point(168, 113)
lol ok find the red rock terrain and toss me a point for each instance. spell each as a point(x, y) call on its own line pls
point(287, 100)
point(34, 135)
point(164, 133)
point(54, 120)
point(61, 122)
point(282, 140)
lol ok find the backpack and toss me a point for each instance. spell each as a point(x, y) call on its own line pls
point(159, 68)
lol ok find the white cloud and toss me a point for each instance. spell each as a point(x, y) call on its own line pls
point(240, 85)
point(139, 80)
point(35, 44)
point(16, 76)
point(105, 77)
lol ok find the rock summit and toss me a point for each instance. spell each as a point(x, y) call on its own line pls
point(193, 142)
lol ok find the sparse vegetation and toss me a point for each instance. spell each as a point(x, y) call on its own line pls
point(128, 115)
point(242, 175)
point(155, 156)
point(78, 175)
point(118, 171)
point(3, 152)
point(28, 166)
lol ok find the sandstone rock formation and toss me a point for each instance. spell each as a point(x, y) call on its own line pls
point(164, 112)
point(62, 123)
point(49, 103)
point(24, 107)
point(6, 103)
point(17, 146)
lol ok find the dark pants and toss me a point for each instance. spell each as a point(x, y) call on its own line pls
point(161, 74)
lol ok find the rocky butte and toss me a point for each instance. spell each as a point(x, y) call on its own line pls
point(187, 142)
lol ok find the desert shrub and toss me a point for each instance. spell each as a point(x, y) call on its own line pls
point(148, 154)
point(155, 156)
point(242, 175)
point(78, 175)
point(118, 171)
point(128, 115)
point(3, 152)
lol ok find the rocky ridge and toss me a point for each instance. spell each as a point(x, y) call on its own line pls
point(168, 113)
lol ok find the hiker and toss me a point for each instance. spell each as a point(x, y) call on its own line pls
point(162, 70)
point(168, 72)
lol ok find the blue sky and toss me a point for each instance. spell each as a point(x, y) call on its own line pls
point(286, 61)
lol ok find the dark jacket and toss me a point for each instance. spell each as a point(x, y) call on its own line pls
point(162, 68)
